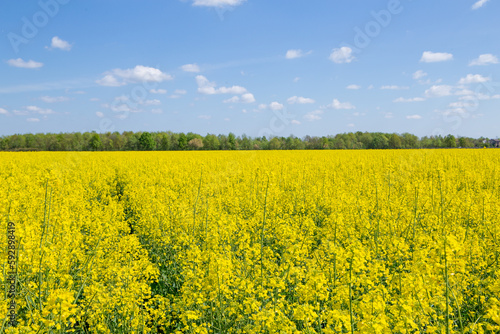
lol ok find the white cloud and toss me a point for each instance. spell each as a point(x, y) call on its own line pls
point(205, 86)
point(157, 111)
point(276, 106)
point(353, 87)
point(218, 3)
point(178, 93)
point(20, 112)
point(158, 91)
point(473, 78)
point(414, 99)
point(193, 68)
point(262, 106)
point(110, 81)
point(394, 87)
point(294, 121)
point(479, 96)
point(479, 4)
point(3, 111)
point(464, 92)
point(456, 111)
point(247, 98)
point(232, 90)
point(120, 107)
point(414, 117)
point(234, 99)
point(142, 74)
point(127, 103)
point(438, 91)
point(293, 54)
point(430, 82)
point(99, 114)
point(342, 55)
point(58, 43)
point(19, 62)
point(460, 104)
point(336, 104)
point(54, 99)
point(209, 88)
point(40, 111)
point(125, 108)
point(314, 115)
point(351, 125)
point(33, 120)
point(122, 98)
point(138, 74)
point(419, 74)
point(296, 79)
point(432, 57)
point(388, 115)
point(154, 102)
point(453, 111)
point(486, 59)
point(300, 100)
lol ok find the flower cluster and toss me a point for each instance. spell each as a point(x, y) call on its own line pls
point(254, 242)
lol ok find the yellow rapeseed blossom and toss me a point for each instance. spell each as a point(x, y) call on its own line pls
point(253, 242)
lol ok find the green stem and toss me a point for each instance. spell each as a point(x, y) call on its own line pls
point(350, 296)
point(262, 238)
point(196, 202)
point(447, 289)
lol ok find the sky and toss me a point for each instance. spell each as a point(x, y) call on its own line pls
point(254, 67)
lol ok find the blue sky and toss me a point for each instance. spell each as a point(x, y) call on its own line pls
point(254, 67)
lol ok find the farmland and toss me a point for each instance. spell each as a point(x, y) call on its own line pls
point(253, 242)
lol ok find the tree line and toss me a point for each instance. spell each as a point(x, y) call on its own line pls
point(169, 141)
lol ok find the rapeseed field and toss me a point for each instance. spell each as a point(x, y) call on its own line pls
point(327, 242)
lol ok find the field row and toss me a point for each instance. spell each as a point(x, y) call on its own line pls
point(253, 242)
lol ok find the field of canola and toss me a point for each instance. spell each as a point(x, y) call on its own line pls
point(253, 242)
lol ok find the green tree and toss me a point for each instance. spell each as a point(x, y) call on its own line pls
point(464, 142)
point(4, 143)
point(117, 141)
point(211, 142)
point(182, 141)
point(450, 141)
point(95, 142)
point(394, 141)
point(365, 138)
point(379, 141)
point(338, 143)
point(263, 143)
point(107, 144)
point(76, 142)
point(437, 142)
point(275, 143)
point(409, 141)
point(231, 141)
point(146, 142)
point(245, 142)
point(324, 143)
point(165, 142)
point(17, 141)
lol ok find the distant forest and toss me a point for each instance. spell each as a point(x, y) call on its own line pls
point(169, 141)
